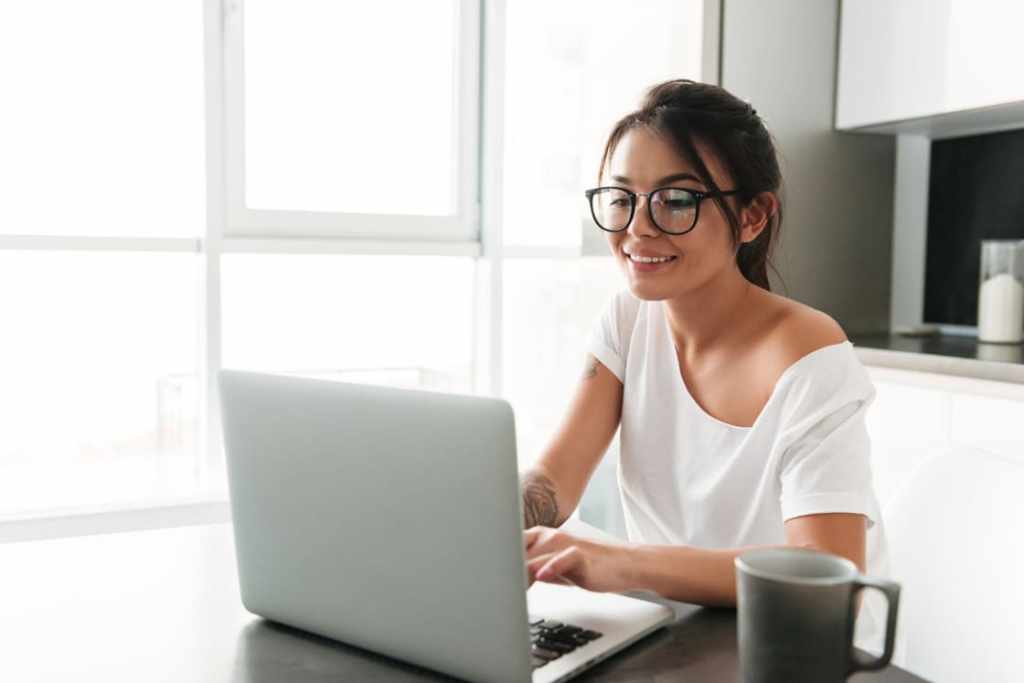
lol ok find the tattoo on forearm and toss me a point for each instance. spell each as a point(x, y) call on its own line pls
point(591, 370)
point(540, 508)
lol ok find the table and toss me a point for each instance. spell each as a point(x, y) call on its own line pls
point(164, 606)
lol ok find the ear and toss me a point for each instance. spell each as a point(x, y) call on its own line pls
point(756, 215)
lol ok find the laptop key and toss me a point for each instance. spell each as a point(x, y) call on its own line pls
point(548, 623)
point(561, 637)
point(555, 645)
point(544, 653)
point(535, 621)
point(591, 635)
point(568, 630)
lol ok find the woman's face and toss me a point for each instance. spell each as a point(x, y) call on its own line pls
point(641, 162)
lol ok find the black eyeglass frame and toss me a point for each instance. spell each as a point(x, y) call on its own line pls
point(699, 195)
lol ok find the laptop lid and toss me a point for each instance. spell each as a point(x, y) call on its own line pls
point(384, 518)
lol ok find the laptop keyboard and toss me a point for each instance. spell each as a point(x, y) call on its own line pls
point(552, 639)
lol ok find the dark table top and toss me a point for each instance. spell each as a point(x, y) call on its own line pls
point(164, 606)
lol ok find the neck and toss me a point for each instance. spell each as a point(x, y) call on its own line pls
point(702, 318)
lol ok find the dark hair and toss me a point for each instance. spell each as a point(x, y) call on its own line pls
point(684, 110)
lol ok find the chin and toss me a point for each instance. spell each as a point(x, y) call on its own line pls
point(648, 291)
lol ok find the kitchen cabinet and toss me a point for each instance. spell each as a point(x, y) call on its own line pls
point(917, 415)
point(929, 60)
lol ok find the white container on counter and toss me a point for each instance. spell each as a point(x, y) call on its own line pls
point(1001, 292)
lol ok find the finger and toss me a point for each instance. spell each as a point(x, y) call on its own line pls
point(533, 565)
point(532, 574)
point(560, 564)
point(536, 535)
point(546, 540)
point(531, 535)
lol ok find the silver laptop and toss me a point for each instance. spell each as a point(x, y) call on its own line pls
point(390, 519)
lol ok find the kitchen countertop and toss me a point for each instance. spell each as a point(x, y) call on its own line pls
point(942, 354)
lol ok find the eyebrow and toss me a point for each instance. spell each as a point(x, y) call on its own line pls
point(667, 179)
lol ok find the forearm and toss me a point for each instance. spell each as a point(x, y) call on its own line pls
point(695, 575)
point(541, 504)
point(708, 577)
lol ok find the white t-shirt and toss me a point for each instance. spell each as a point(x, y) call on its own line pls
point(687, 478)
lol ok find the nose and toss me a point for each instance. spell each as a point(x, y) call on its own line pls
point(641, 225)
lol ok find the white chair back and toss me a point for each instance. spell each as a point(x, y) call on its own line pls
point(956, 542)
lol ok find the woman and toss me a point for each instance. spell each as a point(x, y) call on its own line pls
point(741, 411)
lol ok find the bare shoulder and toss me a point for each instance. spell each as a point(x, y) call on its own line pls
point(798, 330)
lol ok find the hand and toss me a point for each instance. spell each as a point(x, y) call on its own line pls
point(555, 556)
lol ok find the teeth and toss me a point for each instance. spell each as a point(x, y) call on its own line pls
point(650, 259)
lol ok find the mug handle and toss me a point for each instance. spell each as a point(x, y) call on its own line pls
point(859, 661)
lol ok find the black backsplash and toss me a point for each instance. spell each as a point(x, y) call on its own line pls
point(976, 192)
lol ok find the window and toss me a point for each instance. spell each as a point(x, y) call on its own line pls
point(100, 398)
point(103, 203)
point(344, 121)
point(95, 143)
point(291, 186)
point(550, 305)
point(405, 320)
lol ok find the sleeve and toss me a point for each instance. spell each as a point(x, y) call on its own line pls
point(826, 451)
point(609, 338)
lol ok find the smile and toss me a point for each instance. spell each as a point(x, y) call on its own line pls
point(650, 259)
point(648, 264)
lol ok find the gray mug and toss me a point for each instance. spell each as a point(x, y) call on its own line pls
point(795, 616)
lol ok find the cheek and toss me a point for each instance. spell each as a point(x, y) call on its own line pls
point(705, 249)
point(715, 240)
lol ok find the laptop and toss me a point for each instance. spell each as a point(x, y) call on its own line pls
point(391, 519)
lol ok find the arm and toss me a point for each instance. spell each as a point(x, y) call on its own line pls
point(683, 573)
point(708, 577)
point(553, 487)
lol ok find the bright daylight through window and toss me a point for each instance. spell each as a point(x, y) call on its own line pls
point(351, 113)
point(99, 350)
point(283, 186)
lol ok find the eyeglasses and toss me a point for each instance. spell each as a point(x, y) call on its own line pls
point(673, 210)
